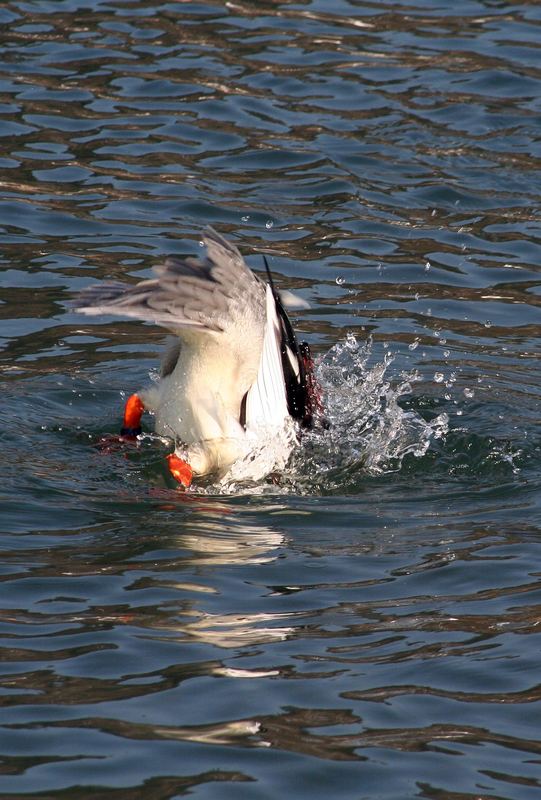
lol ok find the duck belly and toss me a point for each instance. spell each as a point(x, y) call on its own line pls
point(198, 405)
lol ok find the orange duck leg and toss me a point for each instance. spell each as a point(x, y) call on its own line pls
point(131, 428)
point(180, 470)
point(133, 411)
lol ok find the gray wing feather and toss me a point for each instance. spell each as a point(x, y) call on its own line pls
point(206, 294)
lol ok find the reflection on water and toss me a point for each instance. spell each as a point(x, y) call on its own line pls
point(368, 625)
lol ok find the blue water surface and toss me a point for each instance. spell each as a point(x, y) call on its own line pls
point(367, 627)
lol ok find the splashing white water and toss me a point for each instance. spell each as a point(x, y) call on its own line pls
point(367, 424)
point(368, 431)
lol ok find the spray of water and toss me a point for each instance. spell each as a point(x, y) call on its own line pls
point(367, 431)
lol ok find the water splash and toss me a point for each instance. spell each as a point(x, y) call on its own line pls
point(368, 425)
point(368, 432)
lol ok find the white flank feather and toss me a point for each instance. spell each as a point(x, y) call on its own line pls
point(266, 403)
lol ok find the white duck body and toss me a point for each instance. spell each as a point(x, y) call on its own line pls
point(222, 395)
point(198, 403)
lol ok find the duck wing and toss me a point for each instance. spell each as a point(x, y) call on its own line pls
point(266, 403)
point(281, 388)
point(212, 294)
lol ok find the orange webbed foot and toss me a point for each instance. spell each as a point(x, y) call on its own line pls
point(133, 411)
point(180, 470)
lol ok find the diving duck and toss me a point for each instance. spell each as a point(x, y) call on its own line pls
point(235, 386)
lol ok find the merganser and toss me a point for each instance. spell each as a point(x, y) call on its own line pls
point(234, 380)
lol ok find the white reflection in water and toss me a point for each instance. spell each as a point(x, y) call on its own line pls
point(237, 630)
point(221, 543)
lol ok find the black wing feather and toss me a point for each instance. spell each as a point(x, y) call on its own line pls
point(298, 400)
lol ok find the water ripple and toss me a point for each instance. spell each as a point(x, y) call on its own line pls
point(369, 625)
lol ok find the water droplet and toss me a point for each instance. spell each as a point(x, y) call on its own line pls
point(434, 212)
point(245, 218)
point(268, 224)
point(459, 412)
point(488, 324)
point(446, 353)
point(438, 377)
point(351, 342)
point(451, 379)
point(427, 266)
point(468, 392)
point(340, 280)
point(414, 345)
